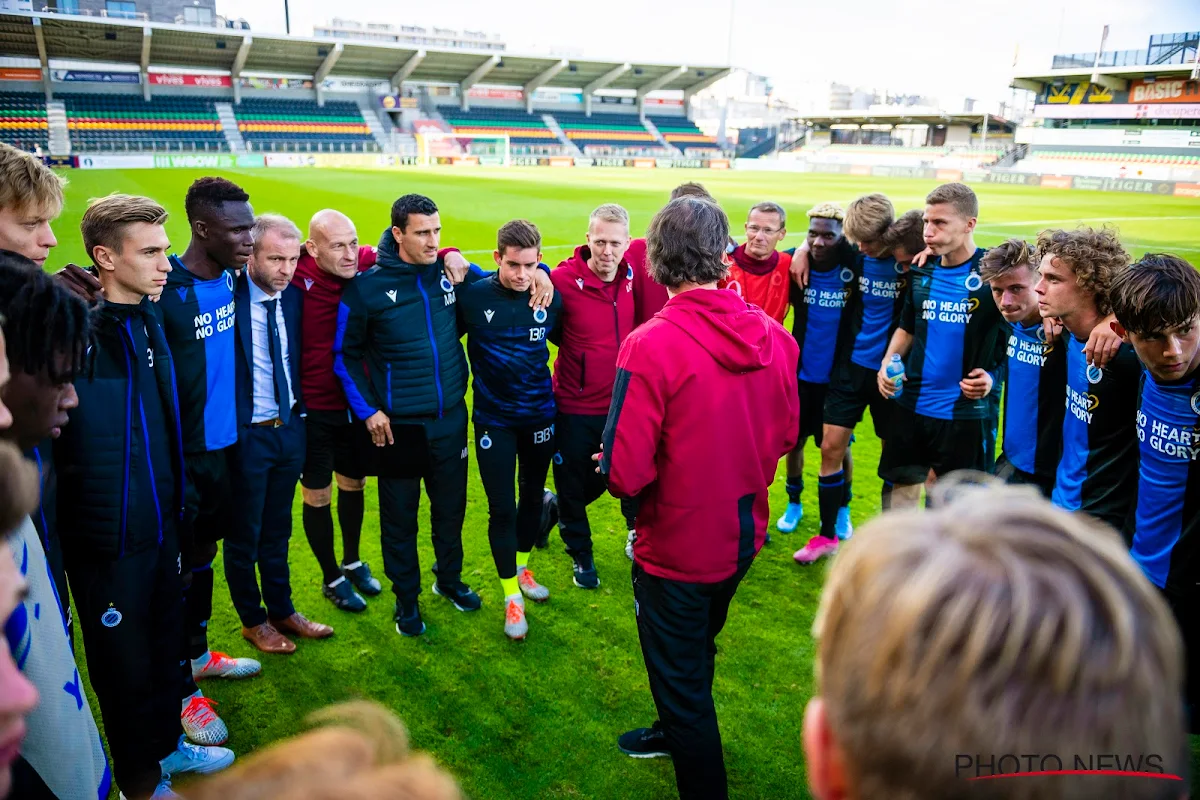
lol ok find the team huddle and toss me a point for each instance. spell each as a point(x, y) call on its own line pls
point(172, 401)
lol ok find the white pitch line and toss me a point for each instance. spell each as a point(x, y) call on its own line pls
point(1086, 219)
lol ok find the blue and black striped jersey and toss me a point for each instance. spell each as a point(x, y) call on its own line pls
point(817, 312)
point(507, 346)
point(1098, 468)
point(197, 318)
point(1167, 519)
point(1033, 400)
point(956, 328)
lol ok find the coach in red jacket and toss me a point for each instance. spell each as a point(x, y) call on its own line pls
point(336, 443)
point(704, 406)
point(596, 286)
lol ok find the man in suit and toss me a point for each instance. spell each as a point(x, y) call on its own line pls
point(269, 452)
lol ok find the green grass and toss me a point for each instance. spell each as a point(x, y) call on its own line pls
point(540, 718)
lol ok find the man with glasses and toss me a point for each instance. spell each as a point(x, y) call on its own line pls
point(759, 273)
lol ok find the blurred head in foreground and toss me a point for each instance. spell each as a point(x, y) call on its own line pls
point(954, 643)
point(360, 750)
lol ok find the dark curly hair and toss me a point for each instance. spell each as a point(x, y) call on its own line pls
point(206, 195)
point(1095, 255)
point(45, 325)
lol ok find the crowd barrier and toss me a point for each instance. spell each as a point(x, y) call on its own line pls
point(384, 161)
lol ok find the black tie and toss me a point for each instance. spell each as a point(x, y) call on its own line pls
point(278, 371)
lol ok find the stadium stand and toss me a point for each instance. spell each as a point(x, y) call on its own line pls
point(23, 120)
point(890, 155)
point(1111, 164)
point(609, 134)
point(528, 134)
point(118, 123)
point(682, 133)
point(289, 125)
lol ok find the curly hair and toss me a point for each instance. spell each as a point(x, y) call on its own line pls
point(1095, 255)
point(206, 195)
point(827, 211)
point(1005, 257)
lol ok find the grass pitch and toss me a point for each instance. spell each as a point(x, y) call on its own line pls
point(540, 718)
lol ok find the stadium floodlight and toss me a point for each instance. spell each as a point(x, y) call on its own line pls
point(489, 149)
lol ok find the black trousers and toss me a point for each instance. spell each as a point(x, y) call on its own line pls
point(505, 453)
point(677, 626)
point(265, 464)
point(445, 475)
point(131, 617)
point(207, 517)
point(578, 438)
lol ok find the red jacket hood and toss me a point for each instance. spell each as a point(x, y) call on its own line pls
point(735, 333)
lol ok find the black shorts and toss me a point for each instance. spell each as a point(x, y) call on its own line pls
point(852, 390)
point(1008, 472)
point(918, 444)
point(812, 410)
point(208, 500)
point(336, 442)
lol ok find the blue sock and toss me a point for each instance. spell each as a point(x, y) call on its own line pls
point(830, 491)
point(794, 487)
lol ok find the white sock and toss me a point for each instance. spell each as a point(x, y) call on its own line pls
point(340, 579)
point(355, 565)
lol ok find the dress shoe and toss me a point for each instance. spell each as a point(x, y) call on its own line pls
point(304, 628)
point(266, 638)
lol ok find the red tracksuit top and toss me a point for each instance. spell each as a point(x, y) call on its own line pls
point(705, 404)
point(648, 297)
point(766, 284)
point(322, 293)
point(596, 318)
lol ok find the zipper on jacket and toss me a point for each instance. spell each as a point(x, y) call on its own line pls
point(389, 386)
point(582, 372)
point(150, 466)
point(180, 480)
point(437, 368)
point(127, 348)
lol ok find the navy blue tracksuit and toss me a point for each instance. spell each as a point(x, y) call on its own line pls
point(120, 478)
point(266, 463)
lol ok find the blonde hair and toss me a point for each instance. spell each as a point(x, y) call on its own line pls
point(610, 212)
point(360, 750)
point(995, 625)
point(26, 184)
point(827, 211)
point(106, 219)
point(867, 218)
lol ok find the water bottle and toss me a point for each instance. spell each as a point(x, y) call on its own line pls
point(895, 372)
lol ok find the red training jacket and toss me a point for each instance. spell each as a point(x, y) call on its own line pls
point(765, 283)
point(322, 296)
point(596, 318)
point(648, 296)
point(705, 404)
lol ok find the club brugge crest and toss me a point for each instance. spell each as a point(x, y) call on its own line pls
point(1094, 374)
point(111, 618)
point(847, 275)
point(447, 286)
point(973, 282)
point(558, 459)
point(539, 315)
point(629, 273)
point(1040, 333)
point(898, 267)
point(485, 442)
point(228, 282)
point(1196, 403)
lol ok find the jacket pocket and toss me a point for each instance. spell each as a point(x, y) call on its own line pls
point(389, 386)
point(582, 372)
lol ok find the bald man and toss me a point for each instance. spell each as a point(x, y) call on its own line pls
point(338, 444)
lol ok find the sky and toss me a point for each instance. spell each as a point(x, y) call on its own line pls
point(949, 49)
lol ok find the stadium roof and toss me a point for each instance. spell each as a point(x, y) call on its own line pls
point(1116, 78)
point(901, 116)
point(47, 36)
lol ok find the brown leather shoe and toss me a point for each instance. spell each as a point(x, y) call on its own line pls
point(306, 629)
point(266, 638)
